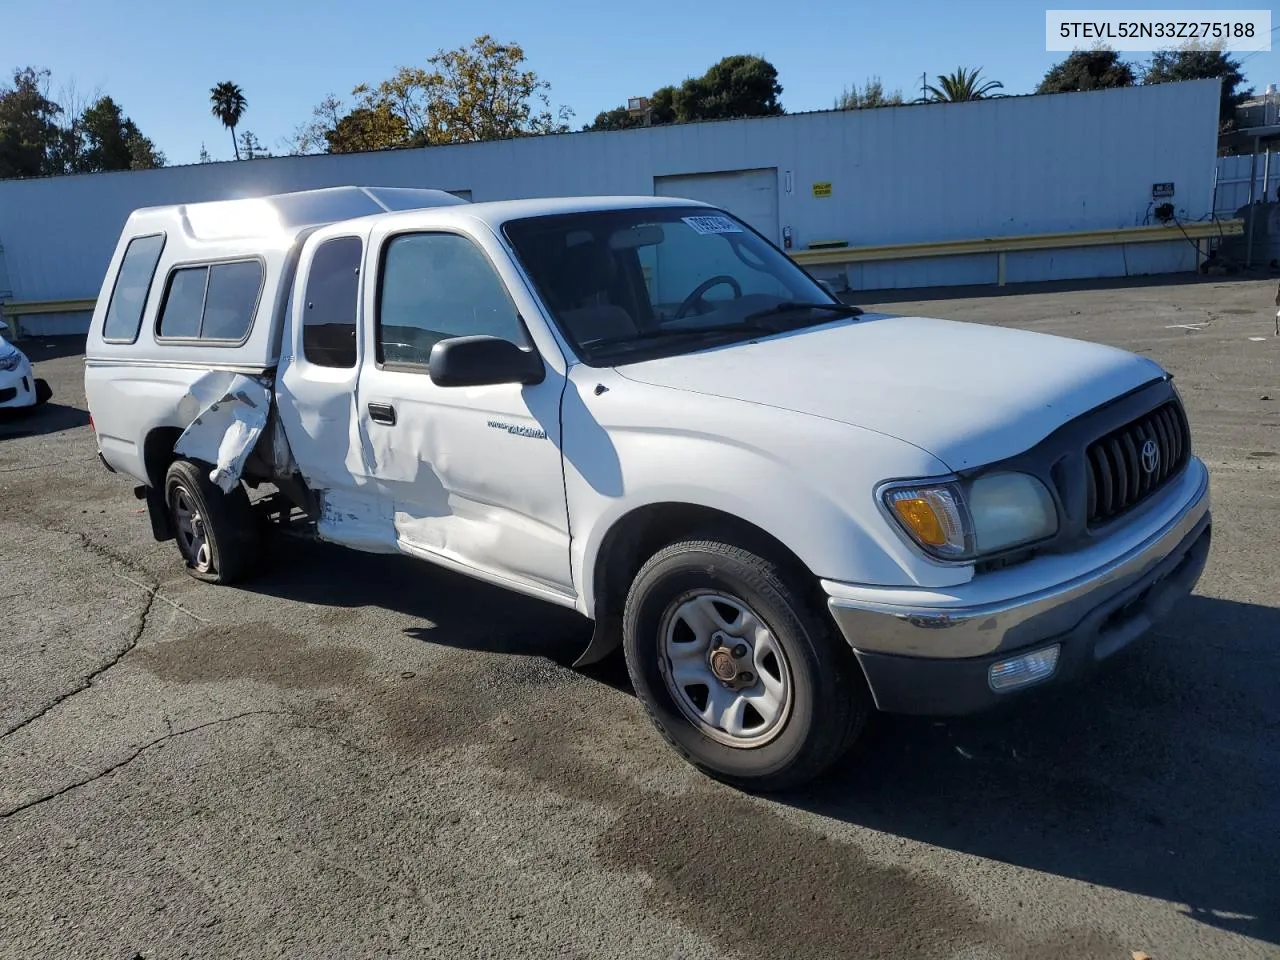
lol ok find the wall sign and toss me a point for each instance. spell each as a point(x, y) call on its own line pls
point(822, 189)
point(1159, 190)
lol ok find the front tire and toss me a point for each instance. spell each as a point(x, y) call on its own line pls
point(217, 533)
point(736, 668)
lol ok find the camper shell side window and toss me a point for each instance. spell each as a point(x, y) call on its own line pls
point(123, 319)
point(212, 301)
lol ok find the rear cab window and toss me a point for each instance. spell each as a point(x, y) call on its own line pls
point(132, 287)
point(213, 301)
point(330, 308)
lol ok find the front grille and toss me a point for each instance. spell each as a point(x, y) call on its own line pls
point(1131, 463)
point(8, 394)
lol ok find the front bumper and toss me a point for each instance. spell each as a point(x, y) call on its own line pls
point(17, 387)
point(936, 660)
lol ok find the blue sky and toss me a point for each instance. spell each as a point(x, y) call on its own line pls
point(158, 60)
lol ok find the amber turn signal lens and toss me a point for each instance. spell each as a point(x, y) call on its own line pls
point(919, 517)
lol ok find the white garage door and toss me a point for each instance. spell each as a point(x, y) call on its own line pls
point(749, 194)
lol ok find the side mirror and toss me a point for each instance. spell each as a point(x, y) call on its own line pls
point(479, 361)
point(828, 286)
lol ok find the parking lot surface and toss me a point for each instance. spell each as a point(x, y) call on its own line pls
point(358, 756)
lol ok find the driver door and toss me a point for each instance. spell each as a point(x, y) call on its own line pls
point(473, 475)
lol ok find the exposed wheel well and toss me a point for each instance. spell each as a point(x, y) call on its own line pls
point(157, 454)
point(640, 534)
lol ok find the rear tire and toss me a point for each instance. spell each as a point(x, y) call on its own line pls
point(784, 697)
point(217, 533)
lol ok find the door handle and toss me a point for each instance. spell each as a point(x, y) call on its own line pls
point(382, 413)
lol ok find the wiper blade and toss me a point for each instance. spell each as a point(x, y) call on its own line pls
point(791, 306)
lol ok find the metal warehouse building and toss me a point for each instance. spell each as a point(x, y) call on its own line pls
point(1003, 190)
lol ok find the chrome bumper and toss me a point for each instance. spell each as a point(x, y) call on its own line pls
point(952, 632)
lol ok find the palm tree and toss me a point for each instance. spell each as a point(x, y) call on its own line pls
point(961, 85)
point(228, 106)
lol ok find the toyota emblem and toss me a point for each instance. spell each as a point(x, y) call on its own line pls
point(1150, 456)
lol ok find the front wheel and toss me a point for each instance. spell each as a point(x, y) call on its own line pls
point(737, 670)
point(217, 532)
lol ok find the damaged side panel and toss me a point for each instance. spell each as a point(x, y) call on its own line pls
point(226, 414)
point(360, 519)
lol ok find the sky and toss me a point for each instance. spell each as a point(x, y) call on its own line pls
point(159, 60)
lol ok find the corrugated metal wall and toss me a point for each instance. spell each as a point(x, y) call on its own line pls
point(1233, 182)
point(897, 175)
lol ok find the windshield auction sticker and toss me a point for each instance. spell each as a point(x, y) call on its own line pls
point(1141, 31)
point(705, 225)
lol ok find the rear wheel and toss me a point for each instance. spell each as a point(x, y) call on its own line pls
point(736, 668)
point(217, 533)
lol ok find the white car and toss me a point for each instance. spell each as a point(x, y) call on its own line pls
point(785, 510)
point(19, 387)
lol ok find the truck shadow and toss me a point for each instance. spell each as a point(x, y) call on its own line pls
point(1159, 776)
point(455, 610)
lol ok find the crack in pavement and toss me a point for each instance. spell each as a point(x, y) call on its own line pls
point(134, 756)
point(87, 682)
point(102, 550)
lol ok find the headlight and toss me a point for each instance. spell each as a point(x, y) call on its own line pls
point(955, 520)
point(11, 361)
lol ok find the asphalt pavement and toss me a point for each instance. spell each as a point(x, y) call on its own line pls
point(359, 756)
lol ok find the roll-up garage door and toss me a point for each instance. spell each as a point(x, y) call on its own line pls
point(749, 194)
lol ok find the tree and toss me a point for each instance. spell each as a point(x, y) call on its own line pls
point(1099, 69)
point(481, 91)
point(872, 95)
point(229, 106)
point(368, 128)
point(662, 105)
point(619, 118)
point(661, 109)
point(250, 147)
point(737, 86)
point(109, 140)
point(1202, 63)
point(741, 85)
point(41, 137)
point(962, 85)
point(30, 138)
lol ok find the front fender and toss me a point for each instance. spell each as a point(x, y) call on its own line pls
point(806, 481)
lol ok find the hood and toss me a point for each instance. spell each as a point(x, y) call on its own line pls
point(968, 393)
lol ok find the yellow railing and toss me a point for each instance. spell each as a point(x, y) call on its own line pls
point(1197, 232)
point(14, 310)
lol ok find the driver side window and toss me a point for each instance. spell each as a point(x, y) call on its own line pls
point(436, 286)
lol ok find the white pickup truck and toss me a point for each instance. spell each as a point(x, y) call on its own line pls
point(786, 511)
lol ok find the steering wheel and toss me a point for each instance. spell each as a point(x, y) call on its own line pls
point(703, 287)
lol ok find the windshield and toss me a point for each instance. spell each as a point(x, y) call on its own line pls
point(662, 280)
